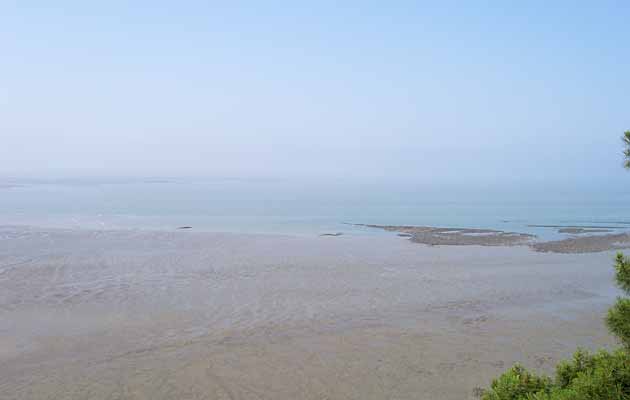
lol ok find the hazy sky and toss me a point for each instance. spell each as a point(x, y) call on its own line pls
point(461, 90)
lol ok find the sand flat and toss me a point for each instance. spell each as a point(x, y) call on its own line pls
point(162, 315)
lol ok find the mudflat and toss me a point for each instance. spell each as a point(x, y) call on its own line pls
point(190, 315)
point(435, 236)
point(586, 244)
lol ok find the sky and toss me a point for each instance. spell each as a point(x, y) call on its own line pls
point(412, 90)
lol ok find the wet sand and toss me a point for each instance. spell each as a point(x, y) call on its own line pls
point(189, 315)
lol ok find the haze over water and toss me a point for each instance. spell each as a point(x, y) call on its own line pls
point(308, 207)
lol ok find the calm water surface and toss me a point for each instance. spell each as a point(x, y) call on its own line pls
point(290, 207)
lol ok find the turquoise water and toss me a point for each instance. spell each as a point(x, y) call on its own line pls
point(291, 207)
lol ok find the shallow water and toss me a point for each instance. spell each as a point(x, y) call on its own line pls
point(305, 207)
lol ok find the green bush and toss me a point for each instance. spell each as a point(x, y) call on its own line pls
point(517, 383)
point(618, 321)
point(618, 318)
point(600, 376)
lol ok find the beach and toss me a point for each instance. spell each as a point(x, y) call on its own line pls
point(138, 314)
point(314, 201)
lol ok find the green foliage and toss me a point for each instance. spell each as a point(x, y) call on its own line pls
point(517, 383)
point(618, 317)
point(618, 320)
point(622, 272)
point(626, 152)
point(566, 371)
point(600, 376)
point(603, 375)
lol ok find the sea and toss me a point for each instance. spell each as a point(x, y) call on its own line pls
point(310, 207)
